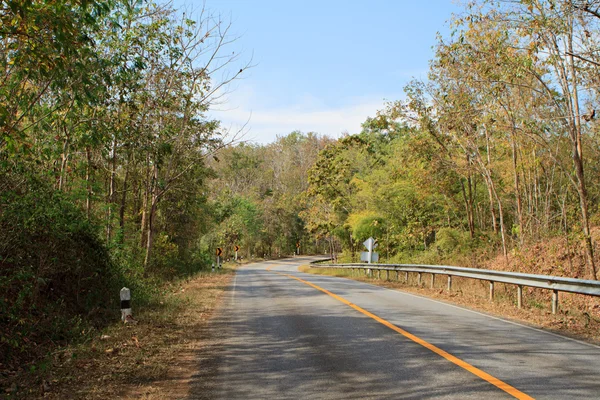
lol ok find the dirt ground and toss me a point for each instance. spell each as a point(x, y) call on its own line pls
point(152, 359)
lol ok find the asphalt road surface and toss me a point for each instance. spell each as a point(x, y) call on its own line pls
point(322, 337)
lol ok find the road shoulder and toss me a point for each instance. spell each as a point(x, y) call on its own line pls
point(154, 358)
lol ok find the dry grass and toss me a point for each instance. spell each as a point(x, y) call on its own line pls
point(152, 359)
point(571, 320)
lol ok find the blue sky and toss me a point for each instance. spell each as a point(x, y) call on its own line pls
point(324, 66)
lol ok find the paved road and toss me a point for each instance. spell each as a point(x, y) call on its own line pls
point(280, 338)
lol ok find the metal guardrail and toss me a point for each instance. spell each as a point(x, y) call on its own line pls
point(554, 283)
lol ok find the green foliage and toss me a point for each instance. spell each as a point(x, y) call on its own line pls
point(56, 275)
point(103, 141)
point(366, 224)
point(257, 196)
point(448, 240)
point(46, 45)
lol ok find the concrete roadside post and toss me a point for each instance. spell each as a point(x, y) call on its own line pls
point(125, 295)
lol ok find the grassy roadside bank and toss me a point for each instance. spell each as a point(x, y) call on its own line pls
point(152, 359)
point(570, 321)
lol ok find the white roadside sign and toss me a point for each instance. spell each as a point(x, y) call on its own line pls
point(369, 256)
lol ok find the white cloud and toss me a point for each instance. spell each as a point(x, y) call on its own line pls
point(307, 114)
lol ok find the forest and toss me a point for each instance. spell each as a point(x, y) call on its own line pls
point(112, 174)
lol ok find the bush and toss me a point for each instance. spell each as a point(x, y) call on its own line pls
point(56, 276)
point(448, 240)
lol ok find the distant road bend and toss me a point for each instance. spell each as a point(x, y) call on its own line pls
point(282, 334)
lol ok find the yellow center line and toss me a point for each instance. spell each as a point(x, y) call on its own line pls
point(453, 359)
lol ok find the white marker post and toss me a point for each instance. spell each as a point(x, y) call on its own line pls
point(125, 295)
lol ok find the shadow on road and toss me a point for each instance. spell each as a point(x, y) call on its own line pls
point(277, 338)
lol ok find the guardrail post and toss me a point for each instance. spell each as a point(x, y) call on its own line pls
point(432, 281)
point(449, 282)
point(378, 274)
point(491, 291)
point(397, 275)
point(554, 301)
point(370, 273)
point(418, 278)
point(406, 277)
point(519, 296)
point(387, 275)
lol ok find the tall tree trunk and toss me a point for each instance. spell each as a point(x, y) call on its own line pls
point(150, 234)
point(468, 200)
point(151, 217)
point(352, 247)
point(493, 191)
point(111, 189)
point(517, 188)
point(486, 172)
point(63, 163)
point(145, 196)
point(578, 155)
point(566, 229)
point(492, 206)
point(88, 200)
point(123, 203)
point(489, 182)
point(549, 190)
point(502, 228)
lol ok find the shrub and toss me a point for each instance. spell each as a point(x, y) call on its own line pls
point(448, 241)
point(56, 276)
